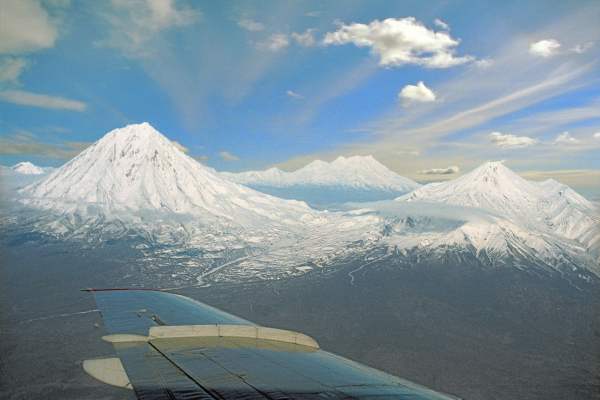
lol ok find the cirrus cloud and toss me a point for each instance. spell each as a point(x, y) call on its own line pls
point(23, 143)
point(24, 98)
point(400, 41)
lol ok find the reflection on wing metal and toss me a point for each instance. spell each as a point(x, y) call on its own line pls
point(215, 355)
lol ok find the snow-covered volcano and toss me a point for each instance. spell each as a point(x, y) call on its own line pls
point(27, 168)
point(358, 172)
point(135, 183)
point(356, 178)
point(18, 176)
point(547, 206)
point(136, 168)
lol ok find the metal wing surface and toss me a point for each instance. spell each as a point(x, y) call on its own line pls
point(172, 347)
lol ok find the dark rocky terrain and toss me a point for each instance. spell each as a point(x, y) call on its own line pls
point(476, 333)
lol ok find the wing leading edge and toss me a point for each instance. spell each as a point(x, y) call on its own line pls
point(172, 347)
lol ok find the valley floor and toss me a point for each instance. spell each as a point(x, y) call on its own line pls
point(478, 334)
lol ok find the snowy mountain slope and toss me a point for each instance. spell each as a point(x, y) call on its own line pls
point(27, 168)
point(136, 168)
point(537, 206)
point(434, 231)
point(357, 172)
point(135, 183)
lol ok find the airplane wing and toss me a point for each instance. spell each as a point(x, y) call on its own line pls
point(172, 347)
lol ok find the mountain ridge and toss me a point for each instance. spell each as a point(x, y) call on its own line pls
point(358, 172)
point(546, 206)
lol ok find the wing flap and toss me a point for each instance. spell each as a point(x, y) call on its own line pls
point(230, 367)
point(242, 363)
point(154, 377)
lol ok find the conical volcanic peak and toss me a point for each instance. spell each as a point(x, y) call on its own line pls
point(494, 187)
point(27, 168)
point(137, 168)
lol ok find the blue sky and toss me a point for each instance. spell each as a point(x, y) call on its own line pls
point(423, 86)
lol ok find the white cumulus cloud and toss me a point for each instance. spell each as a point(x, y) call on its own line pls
point(24, 98)
point(544, 48)
point(416, 93)
point(453, 169)
point(597, 135)
point(566, 138)
point(400, 41)
point(507, 140)
point(25, 26)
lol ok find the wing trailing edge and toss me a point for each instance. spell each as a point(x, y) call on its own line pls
point(172, 347)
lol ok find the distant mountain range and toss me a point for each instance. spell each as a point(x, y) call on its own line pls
point(136, 183)
point(356, 178)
